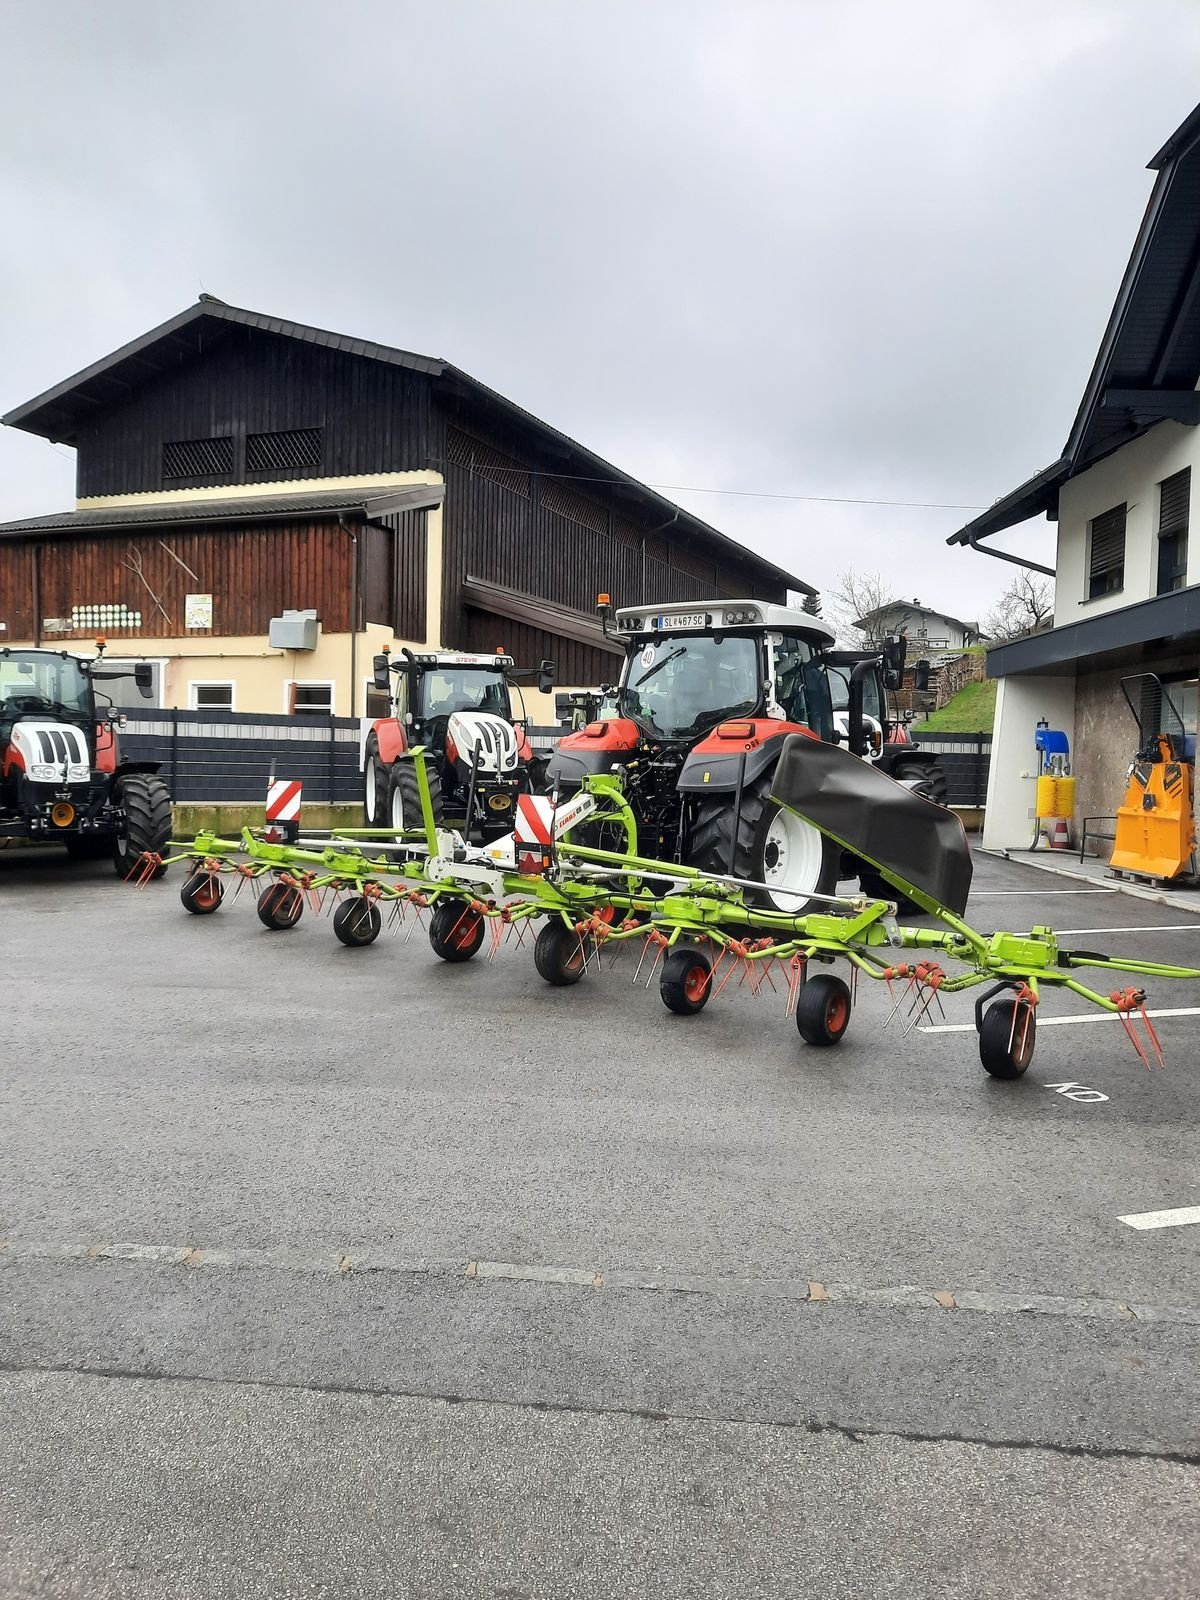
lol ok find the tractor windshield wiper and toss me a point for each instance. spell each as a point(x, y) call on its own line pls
point(671, 655)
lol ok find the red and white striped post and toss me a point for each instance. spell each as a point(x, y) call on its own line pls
point(283, 808)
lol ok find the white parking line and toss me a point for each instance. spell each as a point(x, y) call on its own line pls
point(1162, 1219)
point(1048, 893)
point(1160, 927)
point(1062, 1022)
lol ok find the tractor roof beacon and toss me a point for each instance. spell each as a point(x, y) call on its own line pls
point(708, 693)
point(62, 779)
point(458, 707)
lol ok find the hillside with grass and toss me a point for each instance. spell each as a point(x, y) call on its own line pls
point(971, 710)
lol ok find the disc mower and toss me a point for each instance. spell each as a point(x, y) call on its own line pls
point(697, 931)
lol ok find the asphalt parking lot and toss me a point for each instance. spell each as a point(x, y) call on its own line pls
point(346, 1272)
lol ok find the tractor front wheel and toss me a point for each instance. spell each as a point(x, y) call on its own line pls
point(686, 981)
point(455, 931)
point(823, 1009)
point(774, 847)
point(280, 907)
point(404, 797)
point(146, 801)
point(1007, 1038)
point(357, 921)
point(375, 787)
point(922, 777)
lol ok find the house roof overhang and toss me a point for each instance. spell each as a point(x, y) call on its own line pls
point(58, 412)
point(1106, 638)
point(1148, 363)
point(370, 506)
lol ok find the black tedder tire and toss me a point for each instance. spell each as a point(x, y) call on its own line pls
point(926, 777)
point(280, 906)
point(146, 801)
point(686, 981)
point(404, 798)
point(767, 832)
point(357, 921)
point(455, 931)
point(558, 954)
point(1006, 1039)
point(375, 787)
point(823, 1009)
point(202, 893)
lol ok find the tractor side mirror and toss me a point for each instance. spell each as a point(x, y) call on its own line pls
point(894, 651)
point(382, 670)
point(921, 673)
point(143, 676)
point(546, 677)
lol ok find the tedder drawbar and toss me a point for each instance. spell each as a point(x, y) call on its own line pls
point(575, 868)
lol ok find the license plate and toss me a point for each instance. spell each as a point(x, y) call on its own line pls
point(678, 622)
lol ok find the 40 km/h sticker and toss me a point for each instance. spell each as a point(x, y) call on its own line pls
point(1079, 1092)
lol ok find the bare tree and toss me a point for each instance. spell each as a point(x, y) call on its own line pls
point(1022, 609)
point(860, 597)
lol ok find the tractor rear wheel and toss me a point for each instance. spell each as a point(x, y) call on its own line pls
point(1007, 1038)
point(923, 777)
point(686, 982)
point(375, 787)
point(404, 798)
point(455, 931)
point(146, 801)
point(774, 847)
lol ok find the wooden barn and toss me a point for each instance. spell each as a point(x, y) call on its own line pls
point(231, 467)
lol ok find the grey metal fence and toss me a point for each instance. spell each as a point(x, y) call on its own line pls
point(965, 758)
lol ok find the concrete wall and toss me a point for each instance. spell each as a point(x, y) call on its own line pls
point(1020, 703)
point(1132, 474)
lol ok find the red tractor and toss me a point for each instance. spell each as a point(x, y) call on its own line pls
point(707, 696)
point(459, 709)
point(61, 776)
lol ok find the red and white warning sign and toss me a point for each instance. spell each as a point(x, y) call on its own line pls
point(283, 800)
point(535, 818)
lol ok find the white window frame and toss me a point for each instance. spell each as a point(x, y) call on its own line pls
point(310, 683)
point(211, 683)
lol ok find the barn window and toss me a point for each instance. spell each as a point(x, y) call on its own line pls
point(210, 696)
point(198, 458)
point(281, 452)
point(1106, 555)
point(485, 461)
point(1174, 503)
point(309, 698)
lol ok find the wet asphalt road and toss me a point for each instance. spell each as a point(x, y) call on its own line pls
point(348, 1272)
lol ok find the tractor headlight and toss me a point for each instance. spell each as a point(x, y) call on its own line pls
point(42, 774)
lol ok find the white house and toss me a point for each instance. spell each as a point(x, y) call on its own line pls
point(1127, 594)
point(926, 629)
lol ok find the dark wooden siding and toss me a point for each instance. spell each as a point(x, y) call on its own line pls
point(395, 574)
point(507, 523)
point(576, 663)
point(16, 591)
point(253, 574)
point(374, 417)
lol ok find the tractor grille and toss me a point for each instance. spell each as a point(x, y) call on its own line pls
point(61, 744)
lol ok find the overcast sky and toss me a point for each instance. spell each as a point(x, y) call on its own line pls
point(855, 250)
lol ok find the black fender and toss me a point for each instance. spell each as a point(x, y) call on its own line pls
point(568, 768)
point(710, 773)
point(124, 768)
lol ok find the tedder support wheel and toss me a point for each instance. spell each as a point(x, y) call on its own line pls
point(774, 846)
point(357, 920)
point(202, 893)
point(1007, 1038)
point(280, 906)
point(146, 801)
point(455, 931)
point(404, 798)
point(686, 981)
point(823, 1009)
point(558, 954)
